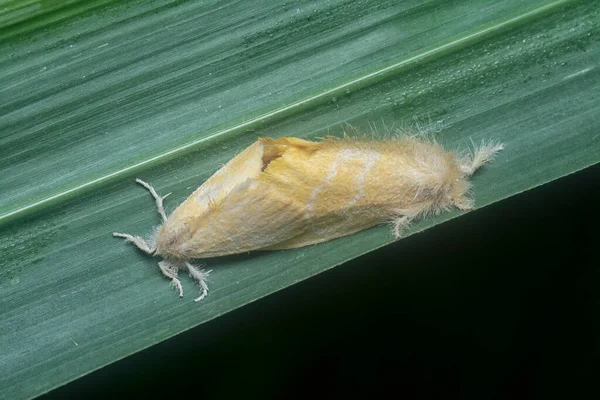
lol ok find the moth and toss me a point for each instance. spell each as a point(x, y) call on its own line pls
point(287, 193)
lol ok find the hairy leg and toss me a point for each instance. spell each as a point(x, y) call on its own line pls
point(400, 225)
point(170, 272)
point(200, 276)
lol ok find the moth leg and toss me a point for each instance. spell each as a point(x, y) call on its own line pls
point(158, 199)
point(137, 241)
point(170, 272)
point(201, 276)
point(400, 225)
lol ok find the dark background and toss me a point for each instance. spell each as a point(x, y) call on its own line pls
point(500, 303)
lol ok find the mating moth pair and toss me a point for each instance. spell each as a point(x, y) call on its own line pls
point(287, 193)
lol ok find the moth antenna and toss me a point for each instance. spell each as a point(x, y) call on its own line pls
point(482, 154)
point(158, 199)
point(139, 242)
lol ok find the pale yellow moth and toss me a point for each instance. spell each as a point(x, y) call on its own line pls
point(288, 192)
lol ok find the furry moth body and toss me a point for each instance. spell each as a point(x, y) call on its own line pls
point(287, 193)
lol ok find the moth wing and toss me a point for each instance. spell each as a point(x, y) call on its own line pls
point(329, 226)
point(246, 165)
point(233, 212)
point(253, 216)
point(330, 185)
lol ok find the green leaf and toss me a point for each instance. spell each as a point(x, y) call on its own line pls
point(96, 93)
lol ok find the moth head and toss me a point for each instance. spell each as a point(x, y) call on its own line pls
point(459, 194)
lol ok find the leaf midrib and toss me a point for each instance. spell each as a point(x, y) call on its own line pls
point(312, 101)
